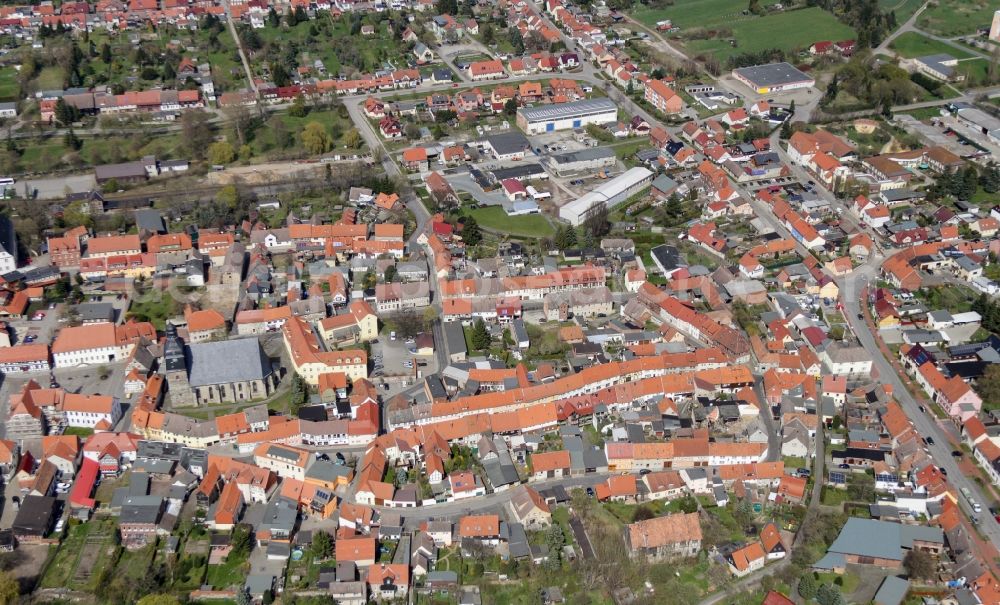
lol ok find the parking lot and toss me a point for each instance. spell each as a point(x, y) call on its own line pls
point(394, 364)
point(41, 330)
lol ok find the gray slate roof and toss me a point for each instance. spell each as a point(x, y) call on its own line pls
point(227, 361)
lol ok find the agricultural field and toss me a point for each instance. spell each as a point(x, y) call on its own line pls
point(788, 31)
point(950, 18)
point(688, 14)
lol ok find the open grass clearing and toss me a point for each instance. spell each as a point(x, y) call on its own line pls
point(950, 18)
point(789, 31)
point(495, 219)
point(913, 44)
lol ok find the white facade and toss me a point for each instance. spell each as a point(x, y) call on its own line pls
point(90, 418)
point(69, 359)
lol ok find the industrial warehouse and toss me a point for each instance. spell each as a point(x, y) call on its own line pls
point(563, 116)
point(773, 77)
point(573, 162)
point(611, 194)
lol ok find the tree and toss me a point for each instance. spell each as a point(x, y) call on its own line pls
point(272, 18)
point(169, 73)
point(71, 141)
point(352, 139)
point(298, 109)
point(221, 153)
point(510, 107)
point(10, 590)
point(807, 586)
point(446, 7)
point(471, 234)
point(228, 196)
point(861, 487)
point(828, 594)
point(196, 132)
point(241, 540)
point(315, 138)
point(480, 336)
point(412, 131)
point(988, 386)
point(390, 274)
point(322, 545)
point(65, 113)
point(786, 129)
point(919, 565)
point(106, 53)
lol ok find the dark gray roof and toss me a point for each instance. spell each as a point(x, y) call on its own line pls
point(892, 591)
point(772, 74)
point(227, 361)
point(881, 539)
point(508, 142)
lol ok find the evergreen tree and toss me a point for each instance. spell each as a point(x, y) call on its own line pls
point(471, 234)
point(169, 73)
point(480, 336)
point(786, 129)
point(807, 586)
point(272, 18)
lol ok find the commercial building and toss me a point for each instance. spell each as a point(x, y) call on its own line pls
point(593, 158)
point(507, 145)
point(610, 194)
point(773, 77)
point(563, 116)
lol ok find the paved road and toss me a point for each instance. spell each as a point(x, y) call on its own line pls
point(489, 502)
point(907, 26)
point(239, 47)
point(851, 288)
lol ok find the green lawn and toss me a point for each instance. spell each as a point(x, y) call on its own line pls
point(79, 431)
point(912, 44)
point(229, 573)
point(8, 84)
point(832, 496)
point(50, 78)
point(495, 219)
point(154, 306)
point(787, 31)
point(950, 18)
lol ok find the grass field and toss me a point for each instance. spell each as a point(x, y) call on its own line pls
point(687, 14)
point(912, 44)
point(951, 18)
point(787, 31)
point(495, 219)
point(8, 84)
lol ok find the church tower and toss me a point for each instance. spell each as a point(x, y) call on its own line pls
point(175, 367)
